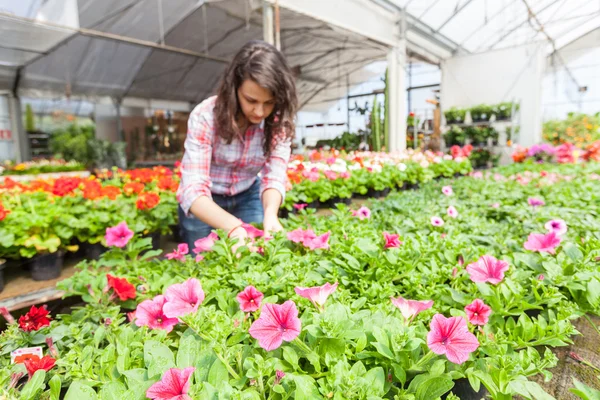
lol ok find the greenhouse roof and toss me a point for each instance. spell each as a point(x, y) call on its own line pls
point(476, 26)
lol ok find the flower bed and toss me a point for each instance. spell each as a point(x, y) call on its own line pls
point(46, 216)
point(40, 167)
point(565, 153)
point(473, 280)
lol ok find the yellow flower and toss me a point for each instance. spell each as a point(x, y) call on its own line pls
point(20, 167)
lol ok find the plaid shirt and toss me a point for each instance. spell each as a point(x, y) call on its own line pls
point(210, 165)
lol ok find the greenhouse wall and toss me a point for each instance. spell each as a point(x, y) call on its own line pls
point(512, 74)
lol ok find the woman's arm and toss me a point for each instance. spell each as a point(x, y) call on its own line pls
point(274, 176)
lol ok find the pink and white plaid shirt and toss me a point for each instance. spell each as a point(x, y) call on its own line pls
point(210, 165)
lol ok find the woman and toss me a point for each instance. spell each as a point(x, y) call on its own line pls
point(243, 131)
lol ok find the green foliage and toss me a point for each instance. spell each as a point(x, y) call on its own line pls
point(578, 128)
point(29, 119)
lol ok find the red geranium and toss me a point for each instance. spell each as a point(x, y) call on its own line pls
point(147, 201)
point(167, 183)
point(35, 363)
point(3, 212)
point(133, 187)
point(123, 289)
point(92, 189)
point(111, 192)
point(65, 185)
point(35, 319)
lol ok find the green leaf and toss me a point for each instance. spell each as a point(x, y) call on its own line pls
point(305, 387)
point(383, 350)
point(158, 358)
point(55, 386)
point(113, 391)
point(593, 292)
point(34, 386)
point(375, 381)
point(79, 391)
point(218, 374)
point(334, 347)
point(433, 388)
point(289, 355)
point(584, 391)
point(572, 251)
point(189, 350)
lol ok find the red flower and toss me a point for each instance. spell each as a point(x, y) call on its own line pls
point(35, 363)
point(3, 212)
point(133, 187)
point(147, 201)
point(167, 183)
point(65, 185)
point(92, 189)
point(111, 192)
point(35, 319)
point(123, 289)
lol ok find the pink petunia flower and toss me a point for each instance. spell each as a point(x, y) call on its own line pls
point(362, 213)
point(410, 308)
point(119, 235)
point(174, 385)
point(299, 235)
point(451, 336)
point(183, 298)
point(253, 232)
point(331, 175)
point(452, 212)
point(317, 295)
point(437, 221)
point(250, 299)
point(392, 240)
point(542, 243)
point(150, 313)
point(534, 202)
point(478, 313)
point(319, 242)
point(487, 269)
point(447, 190)
point(206, 243)
point(199, 257)
point(556, 225)
point(345, 175)
point(179, 253)
point(300, 206)
point(495, 205)
point(276, 324)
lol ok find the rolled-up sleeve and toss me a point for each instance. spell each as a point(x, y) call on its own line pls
point(274, 173)
point(195, 166)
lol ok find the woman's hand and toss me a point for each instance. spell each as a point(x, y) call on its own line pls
point(241, 235)
point(271, 224)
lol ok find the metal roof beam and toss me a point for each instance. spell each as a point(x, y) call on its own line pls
point(462, 7)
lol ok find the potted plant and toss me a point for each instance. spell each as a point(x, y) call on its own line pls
point(455, 115)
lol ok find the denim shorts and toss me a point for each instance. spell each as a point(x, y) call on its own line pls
point(246, 206)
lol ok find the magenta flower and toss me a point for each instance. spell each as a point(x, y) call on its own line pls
point(150, 313)
point(451, 336)
point(319, 242)
point(279, 375)
point(317, 295)
point(300, 235)
point(179, 253)
point(174, 385)
point(487, 269)
point(392, 240)
point(206, 243)
point(452, 212)
point(437, 221)
point(534, 202)
point(410, 308)
point(542, 243)
point(478, 313)
point(300, 206)
point(199, 257)
point(250, 299)
point(345, 174)
point(276, 324)
point(447, 190)
point(119, 235)
point(331, 175)
point(556, 225)
point(183, 298)
point(253, 232)
point(362, 213)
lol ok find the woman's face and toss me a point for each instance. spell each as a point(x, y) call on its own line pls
point(257, 103)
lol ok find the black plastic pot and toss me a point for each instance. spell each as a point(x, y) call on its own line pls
point(2, 266)
point(462, 388)
point(314, 204)
point(283, 213)
point(176, 233)
point(155, 236)
point(94, 251)
point(44, 267)
point(337, 200)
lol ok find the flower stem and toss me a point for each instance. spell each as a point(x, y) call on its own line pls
point(226, 364)
point(425, 359)
point(592, 323)
point(302, 345)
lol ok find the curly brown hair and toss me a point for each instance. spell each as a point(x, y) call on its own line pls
point(265, 65)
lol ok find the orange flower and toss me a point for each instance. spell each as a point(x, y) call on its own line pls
point(3, 212)
point(147, 201)
point(111, 192)
point(167, 183)
point(133, 187)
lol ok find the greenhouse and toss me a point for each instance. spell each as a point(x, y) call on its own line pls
point(299, 199)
